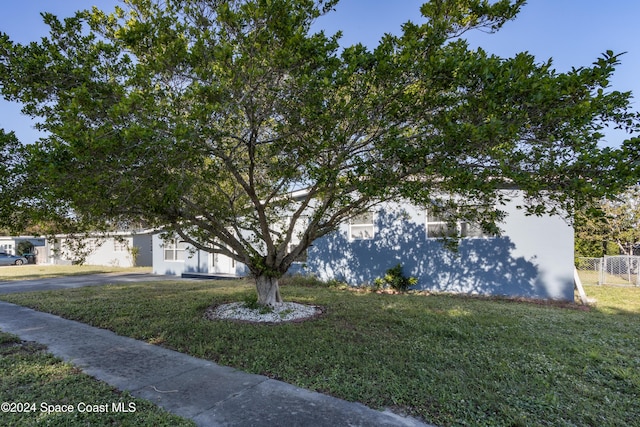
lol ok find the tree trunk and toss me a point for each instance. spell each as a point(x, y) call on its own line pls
point(622, 249)
point(268, 291)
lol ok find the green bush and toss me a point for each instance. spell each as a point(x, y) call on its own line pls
point(24, 247)
point(251, 302)
point(395, 279)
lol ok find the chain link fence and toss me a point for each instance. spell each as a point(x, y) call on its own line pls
point(610, 270)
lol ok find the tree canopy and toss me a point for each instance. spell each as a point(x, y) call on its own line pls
point(11, 180)
point(206, 117)
point(613, 226)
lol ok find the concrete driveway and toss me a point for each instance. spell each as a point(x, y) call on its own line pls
point(66, 282)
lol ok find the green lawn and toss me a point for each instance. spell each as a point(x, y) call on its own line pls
point(451, 360)
point(39, 390)
point(590, 277)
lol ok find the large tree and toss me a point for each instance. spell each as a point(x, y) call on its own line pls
point(614, 221)
point(11, 181)
point(206, 116)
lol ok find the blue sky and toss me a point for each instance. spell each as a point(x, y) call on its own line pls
point(572, 32)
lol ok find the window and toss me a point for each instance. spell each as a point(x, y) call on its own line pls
point(174, 250)
point(437, 227)
point(92, 245)
point(120, 245)
point(470, 229)
point(361, 226)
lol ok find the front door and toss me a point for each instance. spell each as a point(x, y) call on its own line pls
point(221, 264)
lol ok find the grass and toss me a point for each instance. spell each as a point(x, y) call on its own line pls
point(35, 382)
point(590, 277)
point(450, 360)
point(615, 299)
point(26, 272)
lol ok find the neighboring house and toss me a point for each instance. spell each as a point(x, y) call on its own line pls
point(116, 249)
point(119, 249)
point(533, 257)
point(38, 246)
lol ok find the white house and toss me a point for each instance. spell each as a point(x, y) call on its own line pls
point(532, 258)
point(120, 249)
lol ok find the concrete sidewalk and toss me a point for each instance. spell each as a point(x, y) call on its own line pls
point(197, 389)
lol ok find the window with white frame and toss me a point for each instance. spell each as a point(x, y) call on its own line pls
point(438, 227)
point(471, 229)
point(120, 245)
point(361, 226)
point(92, 245)
point(174, 250)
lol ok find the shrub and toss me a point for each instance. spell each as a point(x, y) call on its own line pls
point(395, 279)
point(251, 302)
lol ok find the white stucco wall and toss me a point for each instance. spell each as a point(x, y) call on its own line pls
point(532, 258)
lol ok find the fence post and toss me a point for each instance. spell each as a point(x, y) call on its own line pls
point(578, 285)
point(603, 261)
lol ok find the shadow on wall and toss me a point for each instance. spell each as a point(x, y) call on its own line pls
point(480, 266)
point(170, 272)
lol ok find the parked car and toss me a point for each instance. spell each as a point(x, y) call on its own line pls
point(7, 259)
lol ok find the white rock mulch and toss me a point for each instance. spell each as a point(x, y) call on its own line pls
point(283, 312)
